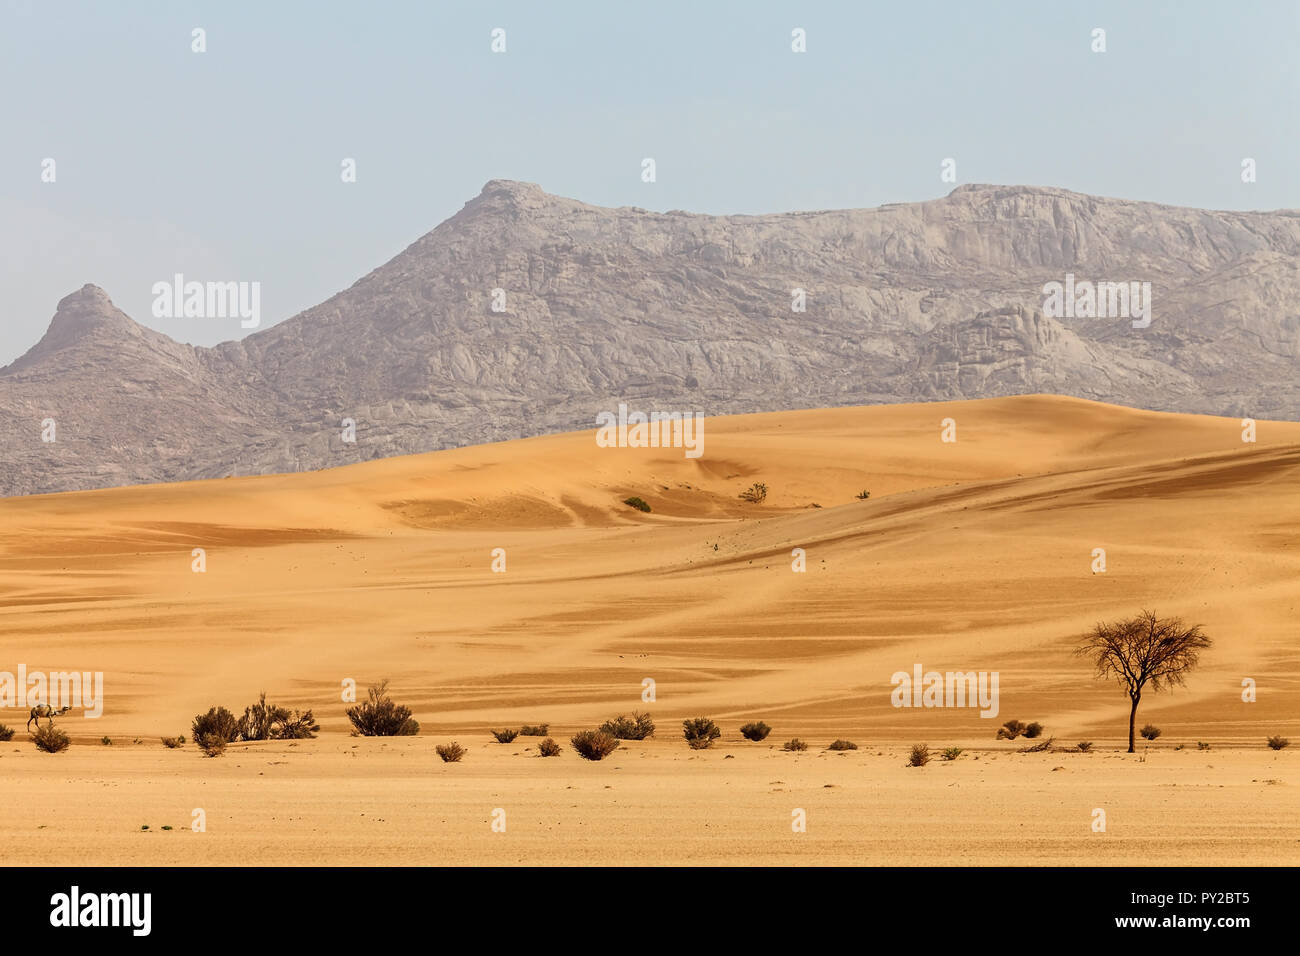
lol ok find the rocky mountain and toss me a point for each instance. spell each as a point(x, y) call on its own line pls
point(673, 311)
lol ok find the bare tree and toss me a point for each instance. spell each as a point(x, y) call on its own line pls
point(1144, 650)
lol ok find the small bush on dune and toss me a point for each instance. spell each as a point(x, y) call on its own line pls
point(50, 739)
point(1150, 732)
point(300, 725)
point(1277, 743)
point(212, 745)
point(794, 744)
point(758, 731)
point(951, 753)
point(171, 743)
point(755, 493)
point(863, 495)
point(1011, 730)
point(505, 736)
point(637, 503)
point(1033, 730)
point(1202, 745)
point(217, 722)
point(6, 734)
point(920, 755)
point(594, 744)
point(260, 719)
point(450, 753)
point(1085, 745)
point(843, 745)
point(379, 716)
point(700, 732)
point(106, 740)
point(541, 730)
point(636, 727)
point(549, 748)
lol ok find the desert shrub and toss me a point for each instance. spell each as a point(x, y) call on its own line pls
point(758, 731)
point(1150, 732)
point(636, 727)
point(300, 725)
point(217, 722)
point(50, 739)
point(379, 716)
point(755, 493)
point(1278, 742)
point(637, 503)
point(106, 740)
point(260, 719)
point(920, 755)
point(951, 753)
point(505, 736)
point(450, 753)
point(549, 748)
point(212, 745)
point(171, 743)
point(700, 732)
point(1202, 745)
point(541, 730)
point(863, 495)
point(794, 744)
point(1085, 745)
point(843, 745)
point(594, 744)
point(1038, 747)
point(1033, 731)
point(6, 734)
point(1011, 730)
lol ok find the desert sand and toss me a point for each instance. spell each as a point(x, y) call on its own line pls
point(970, 555)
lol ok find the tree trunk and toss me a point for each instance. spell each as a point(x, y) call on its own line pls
point(1132, 721)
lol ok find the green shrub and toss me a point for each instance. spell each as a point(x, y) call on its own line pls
point(758, 731)
point(212, 745)
point(636, 727)
point(450, 753)
point(379, 716)
point(843, 745)
point(505, 736)
point(259, 720)
point(541, 730)
point(106, 740)
point(50, 739)
point(951, 753)
point(1278, 742)
point(594, 744)
point(863, 495)
point(920, 755)
point(700, 732)
point(794, 744)
point(549, 748)
point(637, 503)
point(1150, 732)
point(755, 493)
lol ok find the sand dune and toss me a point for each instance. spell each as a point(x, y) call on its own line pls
point(973, 555)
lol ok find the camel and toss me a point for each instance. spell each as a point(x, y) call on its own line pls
point(46, 711)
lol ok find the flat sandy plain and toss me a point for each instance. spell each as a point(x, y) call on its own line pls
point(973, 555)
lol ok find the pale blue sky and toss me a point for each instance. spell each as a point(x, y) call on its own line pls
point(225, 165)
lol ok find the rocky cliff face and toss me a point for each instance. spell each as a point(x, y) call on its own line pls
point(908, 302)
